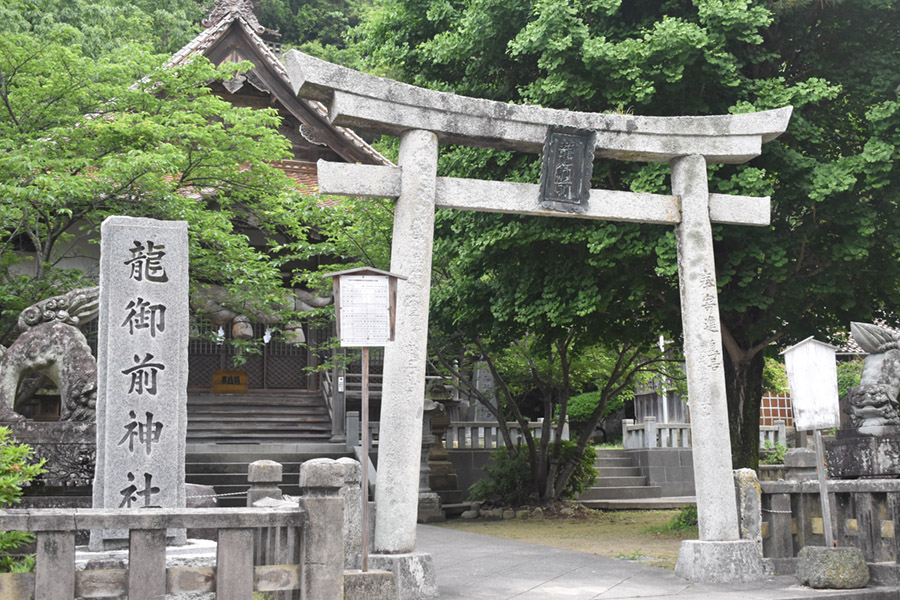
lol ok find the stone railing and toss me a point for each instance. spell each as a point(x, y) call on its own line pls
point(486, 434)
point(651, 434)
point(774, 434)
point(461, 435)
point(271, 549)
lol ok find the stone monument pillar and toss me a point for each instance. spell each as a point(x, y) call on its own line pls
point(142, 368)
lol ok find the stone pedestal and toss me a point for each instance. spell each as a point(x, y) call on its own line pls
point(719, 562)
point(369, 585)
point(413, 572)
point(832, 568)
point(864, 452)
point(800, 464)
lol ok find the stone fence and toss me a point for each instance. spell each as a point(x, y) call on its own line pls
point(651, 434)
point(461, 435)
point(486, 434)
point(289, 549)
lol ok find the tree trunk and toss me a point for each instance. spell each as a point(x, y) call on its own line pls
point(743, 384)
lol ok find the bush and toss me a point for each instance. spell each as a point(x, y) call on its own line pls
point(685, 519)
point(16, 471)
point(848, 373)
point(772, 454)
point(508, 477)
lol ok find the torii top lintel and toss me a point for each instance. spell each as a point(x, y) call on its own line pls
point(367, 102)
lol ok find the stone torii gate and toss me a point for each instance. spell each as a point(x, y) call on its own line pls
point(425, 118)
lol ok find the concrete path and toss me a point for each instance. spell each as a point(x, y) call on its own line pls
point(471, 566)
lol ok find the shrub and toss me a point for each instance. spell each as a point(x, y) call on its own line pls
point(16, 471)
point(508, 477)
point(685, 519)
point(772, 454)
point(848, 373)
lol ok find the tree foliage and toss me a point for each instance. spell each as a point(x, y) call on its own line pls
point(831, 253)
point(82, 139)
point(17, 470)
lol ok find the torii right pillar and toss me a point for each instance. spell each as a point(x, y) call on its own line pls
point(719, 555)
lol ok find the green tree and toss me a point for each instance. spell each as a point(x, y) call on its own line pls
point(100, 27)
point(526, 297)
point(831, 253)
point(81, 140)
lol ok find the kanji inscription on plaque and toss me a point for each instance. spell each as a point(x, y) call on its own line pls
point(566, 167)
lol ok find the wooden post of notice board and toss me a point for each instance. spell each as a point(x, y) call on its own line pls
point(365, 303)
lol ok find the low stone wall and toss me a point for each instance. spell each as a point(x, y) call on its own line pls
point(469, 466)
point(672, 469)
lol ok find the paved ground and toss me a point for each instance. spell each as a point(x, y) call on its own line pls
point(471, 566)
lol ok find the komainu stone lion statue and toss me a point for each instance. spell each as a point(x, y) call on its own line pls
point(874, 402)
point(52, 344)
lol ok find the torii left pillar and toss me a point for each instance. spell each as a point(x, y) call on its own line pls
point(396, 496)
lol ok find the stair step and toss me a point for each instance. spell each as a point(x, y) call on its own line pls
point(631, 481)
point(234, 420)
point(605, 463)
point(607, 493)
point(611, 453)
point(619, 472)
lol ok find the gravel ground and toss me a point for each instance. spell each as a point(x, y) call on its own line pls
point(629, 535)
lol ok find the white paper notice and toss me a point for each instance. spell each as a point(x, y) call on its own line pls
point(365, 310)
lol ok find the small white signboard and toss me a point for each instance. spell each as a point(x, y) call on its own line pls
point(365, 305)
point(812, 374)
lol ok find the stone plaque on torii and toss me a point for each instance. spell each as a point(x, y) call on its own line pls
point(424, 118)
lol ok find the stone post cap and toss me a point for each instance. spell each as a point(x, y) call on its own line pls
point(352, 469)
point(320, 473)
point(264, 471)
point(800, 457)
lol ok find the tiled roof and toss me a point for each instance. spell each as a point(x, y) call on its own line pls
point(209, 36)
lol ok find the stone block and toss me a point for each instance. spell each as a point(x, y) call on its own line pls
point(264, 471)
point(800, 458)
point(430, 510)
point(749, 498)
point(719, 562)
point(371, 585)
point(832, 568)
point(321, 473)
point(414, 574)
point(509, 514)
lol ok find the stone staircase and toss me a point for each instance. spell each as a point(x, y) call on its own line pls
point(257, 418)
point(617, 479)
point(226, 432)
